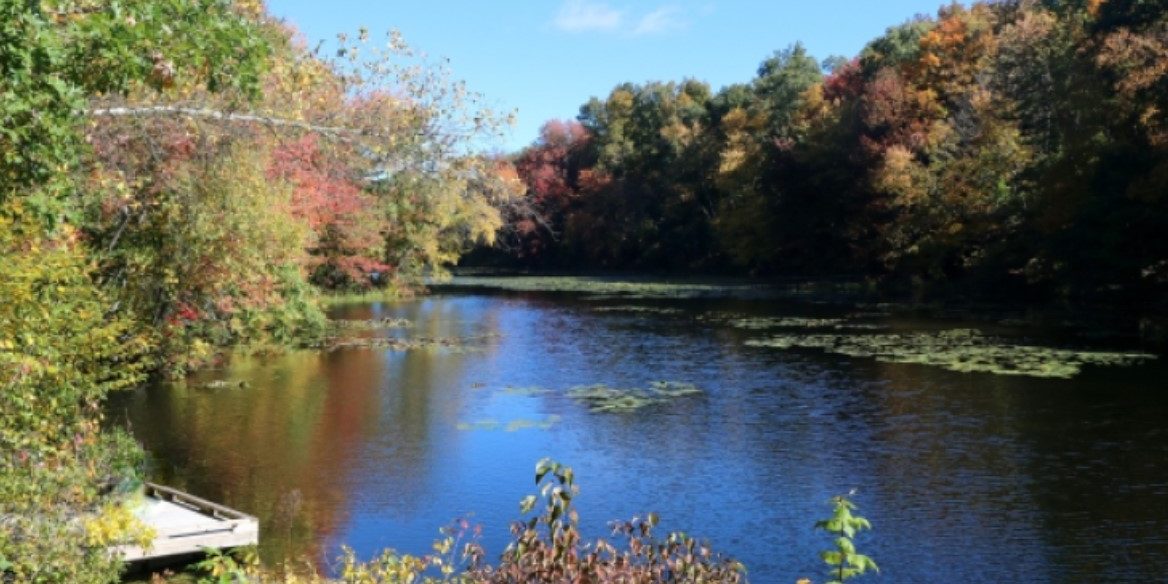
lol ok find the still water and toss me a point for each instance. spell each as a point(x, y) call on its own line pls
point(966, 477)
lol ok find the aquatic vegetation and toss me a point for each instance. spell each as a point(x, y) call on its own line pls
point(602, 398)
point(376, 324)
point(612, 287)
point(962, 350)
point(632, 308)
point(479, 425)
point(545, 424)
point(524, 391)
point(449, 344)
point(784, 322)
point(740, 321)
point(673, 388)
point(511, 426)
point(223, 384)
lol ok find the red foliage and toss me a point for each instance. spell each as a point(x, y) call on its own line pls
point(548, 167)
point(333, 205)
point(893, 113)
point(323, 195)
point(846, 82)
point(554, 171)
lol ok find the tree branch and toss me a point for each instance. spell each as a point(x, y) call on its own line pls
point(170, 110)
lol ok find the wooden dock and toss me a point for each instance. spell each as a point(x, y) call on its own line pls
point(186, 525)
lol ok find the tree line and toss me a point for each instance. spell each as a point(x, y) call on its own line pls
point(181, 176)
point(1017, 148)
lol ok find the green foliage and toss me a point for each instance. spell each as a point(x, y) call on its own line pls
point(38, 142)
point(432, 218)
point(844, 560)
point(240, 565)
point(214, 256)
point(54, 55)
point(66, 487)
point(60, 354)
point(1001, 149)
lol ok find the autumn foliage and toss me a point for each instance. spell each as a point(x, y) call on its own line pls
point(1005, 148)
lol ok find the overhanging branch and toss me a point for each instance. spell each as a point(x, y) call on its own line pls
point(170, 110)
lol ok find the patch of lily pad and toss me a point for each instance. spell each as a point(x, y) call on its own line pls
point(449, 344)
point(602, 398)
point(792, 322)
point(611, 287)
point(961, 350)
point(511, 426)
point(372, 324)
point(223, 384)
point(524, 391)
point(634, 309)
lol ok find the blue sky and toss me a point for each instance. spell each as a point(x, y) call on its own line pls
point(547, 57)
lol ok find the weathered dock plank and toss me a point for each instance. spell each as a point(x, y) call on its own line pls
point(185, 524)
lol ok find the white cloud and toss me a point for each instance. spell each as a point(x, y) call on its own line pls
point(583, 16)
point(594, 16)
point(663, 20)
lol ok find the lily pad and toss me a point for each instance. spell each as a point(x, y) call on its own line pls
point(605, 399)
point(375, 324)
point(524, 391)
point(744, 322)
point(450, 344)
point(612, 287)
point(639, 309)
point(223, 384)
point(511, 426)
point(963, 350)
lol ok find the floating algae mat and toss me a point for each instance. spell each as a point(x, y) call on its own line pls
point(639, 309)
point(511, 426)
point(222, 384)
point(524, 391)
point(377, 324)
point(611, 287)
point(452, 344)
point(963, 350)
point(745, 322)
point(760, 323)
point(602, 398)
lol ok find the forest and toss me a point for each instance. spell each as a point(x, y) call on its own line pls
point(1009, 150)
point(182, 176)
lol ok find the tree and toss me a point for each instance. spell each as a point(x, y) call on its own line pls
point(55, 54)
point(60, 354)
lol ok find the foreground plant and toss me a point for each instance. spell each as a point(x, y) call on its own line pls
point(548, 547)
point(844, 560)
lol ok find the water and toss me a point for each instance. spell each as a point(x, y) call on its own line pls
point(967, 477)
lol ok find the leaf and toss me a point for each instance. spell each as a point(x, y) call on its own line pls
point(542, 468)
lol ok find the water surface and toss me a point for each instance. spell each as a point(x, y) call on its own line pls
point(967, 477)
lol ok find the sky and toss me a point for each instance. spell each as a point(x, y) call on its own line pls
point(545, 58)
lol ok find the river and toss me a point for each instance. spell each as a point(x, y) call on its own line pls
point(965, 476)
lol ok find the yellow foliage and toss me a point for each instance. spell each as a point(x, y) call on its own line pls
point(116, 524)
point(901, 175)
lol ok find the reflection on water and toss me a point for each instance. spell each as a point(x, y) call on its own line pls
point(966, 477)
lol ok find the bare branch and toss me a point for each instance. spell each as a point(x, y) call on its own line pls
point(170, 110)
